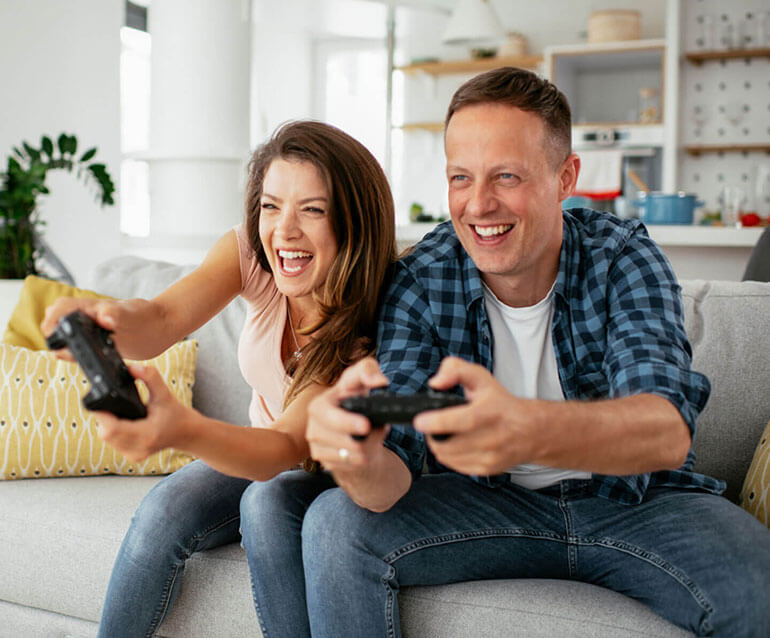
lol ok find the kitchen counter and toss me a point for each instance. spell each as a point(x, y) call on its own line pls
point(705, 235)
point(695, 252)
point(664, 235)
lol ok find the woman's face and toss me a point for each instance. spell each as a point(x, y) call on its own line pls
point(295, 226)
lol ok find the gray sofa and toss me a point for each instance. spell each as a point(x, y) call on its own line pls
point(58, 537)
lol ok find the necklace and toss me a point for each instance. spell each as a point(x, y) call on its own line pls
point(297, 355)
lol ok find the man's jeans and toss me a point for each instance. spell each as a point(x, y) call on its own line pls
point(195, 508)
point(694, 558)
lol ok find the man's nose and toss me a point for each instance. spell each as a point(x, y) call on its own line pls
point(481, 199)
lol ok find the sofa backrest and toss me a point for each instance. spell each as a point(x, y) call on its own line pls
point(220, 390)
point(728, 324)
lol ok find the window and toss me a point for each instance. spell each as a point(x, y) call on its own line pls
point(134, 131)
point(351, 90)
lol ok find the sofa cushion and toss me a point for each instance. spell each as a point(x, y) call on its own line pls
point(58, 542)
point(755, 493)
point(727, 323)
point(220, 390)
point(46, 432)
point(72, 528)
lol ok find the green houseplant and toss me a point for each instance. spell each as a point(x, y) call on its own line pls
point(23, 182)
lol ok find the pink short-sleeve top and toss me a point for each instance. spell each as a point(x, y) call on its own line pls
point(259, 346)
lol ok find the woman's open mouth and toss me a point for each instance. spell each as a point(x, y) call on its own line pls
point(293, 262)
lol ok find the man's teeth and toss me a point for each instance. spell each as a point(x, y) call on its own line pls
point(489, 231)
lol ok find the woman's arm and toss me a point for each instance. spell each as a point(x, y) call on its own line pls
point(253, 453)
point(143, 329)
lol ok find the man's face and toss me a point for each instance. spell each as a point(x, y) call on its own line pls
point(505, 196)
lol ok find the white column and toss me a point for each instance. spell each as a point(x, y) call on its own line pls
point(199, 122)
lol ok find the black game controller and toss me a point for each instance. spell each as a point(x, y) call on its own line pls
point(400, 408)
point(112, 386)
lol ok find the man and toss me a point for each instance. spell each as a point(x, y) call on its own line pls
point(572, 458)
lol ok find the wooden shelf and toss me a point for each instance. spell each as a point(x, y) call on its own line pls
point(697, 150)
point(432, 127)
point(447, 67)
point(699, 57)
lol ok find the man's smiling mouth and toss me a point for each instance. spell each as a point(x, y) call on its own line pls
point(491, 231)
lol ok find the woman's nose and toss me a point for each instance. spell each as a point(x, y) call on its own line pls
point(288, 224)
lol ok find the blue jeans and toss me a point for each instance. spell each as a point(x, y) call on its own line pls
point(271, 522)
point(694, 558)
point(195, 508)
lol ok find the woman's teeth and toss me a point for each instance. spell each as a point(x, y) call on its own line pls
point(490, 231)
point(294, 260)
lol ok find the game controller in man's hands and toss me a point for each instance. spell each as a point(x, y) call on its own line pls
point(399, 408)
point(112, 386)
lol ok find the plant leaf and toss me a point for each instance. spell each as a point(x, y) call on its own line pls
point(88, 154)
point(63, 143)
point(47, 145)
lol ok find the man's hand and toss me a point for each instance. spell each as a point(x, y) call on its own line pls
point(163, 427)
point(489, 433)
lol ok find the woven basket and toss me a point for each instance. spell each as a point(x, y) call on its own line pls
point(613, 25)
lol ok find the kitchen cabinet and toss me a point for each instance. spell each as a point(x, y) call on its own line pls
point(604, 82)
point(461, 68)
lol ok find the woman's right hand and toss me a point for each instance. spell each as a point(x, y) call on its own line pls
point(127, 320)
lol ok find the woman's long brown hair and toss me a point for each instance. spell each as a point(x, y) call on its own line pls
point(363, 221)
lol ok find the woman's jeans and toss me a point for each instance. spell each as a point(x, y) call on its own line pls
point(193, 509)
point(696, 559)
point(198, 508)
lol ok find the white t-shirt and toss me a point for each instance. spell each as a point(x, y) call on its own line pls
point(525, 365)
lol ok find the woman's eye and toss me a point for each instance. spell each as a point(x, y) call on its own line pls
point(268, 206)
point(315, 209)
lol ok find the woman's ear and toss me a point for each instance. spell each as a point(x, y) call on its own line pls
point(568, 174)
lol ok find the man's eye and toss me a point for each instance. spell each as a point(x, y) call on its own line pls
point(507, 176)
point(458, 178)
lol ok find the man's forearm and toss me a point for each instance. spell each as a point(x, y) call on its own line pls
point(378, 486)
point(618, 436)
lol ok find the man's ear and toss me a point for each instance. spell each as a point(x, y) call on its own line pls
point(568, 174)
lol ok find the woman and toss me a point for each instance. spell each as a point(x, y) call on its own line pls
point(309, 260)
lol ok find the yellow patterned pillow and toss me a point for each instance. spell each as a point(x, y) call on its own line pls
point(44, 429)
point(755, 495)
point(36, 295)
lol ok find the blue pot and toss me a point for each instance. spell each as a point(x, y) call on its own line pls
point(659, 208)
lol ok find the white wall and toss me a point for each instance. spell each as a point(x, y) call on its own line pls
point(60, 67)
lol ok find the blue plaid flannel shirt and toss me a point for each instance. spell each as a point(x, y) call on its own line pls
point(618, 330)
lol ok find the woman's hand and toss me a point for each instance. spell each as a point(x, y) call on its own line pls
point(131, 322)
point(331, 429)
point(163, 427)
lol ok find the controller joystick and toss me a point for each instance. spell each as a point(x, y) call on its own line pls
point(112, 386)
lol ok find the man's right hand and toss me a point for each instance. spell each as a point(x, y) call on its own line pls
point(373, 476)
